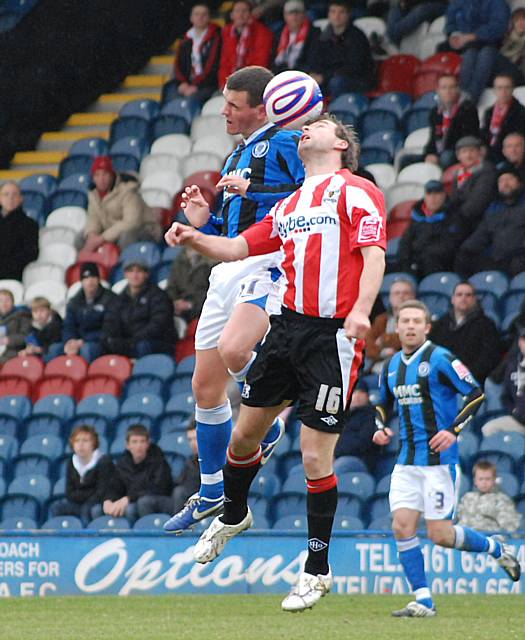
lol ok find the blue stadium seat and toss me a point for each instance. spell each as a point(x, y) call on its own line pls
point(147, 403)
point(3, 482)
point(181, 383)
point(8, 447)
point(130, 146)
point(118, 446)
point(117, 273)
point(468, 446)
point(357, 483)
point(63, 523)
point(294, 483)
point(102, 404)
point(385, 464)
point(43, 424)
point(381, 523)
point(176, 461)
point(377, 120)
point(19, 506)
point(415, 119)
point(353, 104)
point(345, 464)
point(146, 109)
point(260, 522)
point(4, 470)
point(186, 365)
point(59, 488)
point(170, 253)
point(172, 421)
point(287, 461)
point(440, 282)
point(383, 485)
point(158, 364)
point(520, 507)
point(508, 483)
point(49, 446)
point(511, 302)
point(182, 107)
point(438, 303)
point(395, 102)
point(147, 252)
point(72, 165)
point(89, 147)
point(129, 127)
point(59, 405)
point(182, 403)
point(510, 442)
point(76, 182)
point(427, 101)
point(349, 505)
point(152, 522)
point(35, 205)
point(125, 163)
point(18, 407)
point(508, 320)
point(390, 278)
point(517, 283)
point(259, 506)
point(9, 426)
point(143, 383)
point(30, 464)
point(378, 506)
point(348, 523)
point(495, 282)
point(40, 182)
point(296, 522)
point(108, 522)
point(162, 271)
point(98, 422)
point(374, 155)
point(266, 483)
point(37, 486)
point(390, 141)
point(169, 91)
point(504, 462)
point(18, 523)
point(67, 198)
point(123, 422)
point(287, 503)
point(164, 125)
point(175, 443)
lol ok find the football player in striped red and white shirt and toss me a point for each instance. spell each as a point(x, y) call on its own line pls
point(332, 233)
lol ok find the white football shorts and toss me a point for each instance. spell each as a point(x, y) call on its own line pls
point(253, 280)
point(432, 490)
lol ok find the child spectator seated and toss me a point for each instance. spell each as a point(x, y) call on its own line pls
point(46, 328)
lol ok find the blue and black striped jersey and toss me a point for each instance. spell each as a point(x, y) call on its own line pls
point(424, 386)
point(269, 159)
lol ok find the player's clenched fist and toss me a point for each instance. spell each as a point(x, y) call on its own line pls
point(178, 234)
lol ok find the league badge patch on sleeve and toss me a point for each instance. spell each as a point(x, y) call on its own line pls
point(369, 229)
point(460, 369)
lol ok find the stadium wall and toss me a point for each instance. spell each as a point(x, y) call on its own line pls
point(138, 563)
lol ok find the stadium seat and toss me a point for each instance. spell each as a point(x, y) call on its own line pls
point(183, 403)
point(420, 173)
point(53, 385)
point(99, 422)
point(381, 523)
point(35, 206)
point(266, 483)
point(49, 446)
point(394, 102)
point(348, 107)
point(202, 125)
point(121, 424)
point(67, 198)
point(143, 383)
point(401, 192)
point(415, 119)
point(287, 503)
point(171, 421)
point(152, 522)
point(181, 383)
point(505, 463)
point(43, 425)
point(438, 303)
point(106, 256)
point(213, 106)
point(74, 367)
point(72, 165)
point(57, 404)
point(157, 364)
point(402, 211)
point(509, 442)
point(133, 146)
point(384, 174)
point(147, 403)
point(129, 127)
point(58, 253)
point(147, 252)
point(199, 161)
point(439, 282)
point(9, 426)
point(175, 443)
point(389, 141)
point(383, 486)
point(164, 125)
point(396, 74)
point(495, 282)
point(54, 291)
point(378, 506)
point(36, 272)
point(508, 483)
point(19, 506)
point(95, 385)
point(76, 182)
point(63, 523)
point(31, 464)
point(39, 182)
point(72, 217)
point(146, 109)
point(14, 386)
point(175, 144)
point(108, 522)
point(295, 522)
point(18, 523)
point(294, 483)
point(182, 107)
point(8, 447)
point(345, 464)
point(348, 523)
point(89, 147)
point(424, 80)
point(390, 278)
point(370, 25)
point(51, 235)
point(349, 505)
point(445, 62)
point(468, 446)
point(218, 144)
point(29, 367)
point(36, 486)
point(374, 120)
point(358, 483)
point(18, 407)
point(159, 162)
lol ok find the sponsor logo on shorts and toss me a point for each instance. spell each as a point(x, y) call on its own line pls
point(314, 544)
point(330, 420)
point(369, 229)
point(245, 391)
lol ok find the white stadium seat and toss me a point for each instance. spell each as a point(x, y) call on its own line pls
point(403, 191)
point(176, 144)
point(15, 287)
point(417, 139)
point(58, 253)
point(157, 198)
point(72, 217)
point(384, 174)
point(119, 286)
point(200, 162)
point(428, 46)
point(36, 271)
point(202, 125)
point(168, 181)
point(50, 235)
point(420, 172)
point(55, 292)
point(221, 145)
point(370, 25)
point(159, 162)
point(438, 25)
point(213, 106)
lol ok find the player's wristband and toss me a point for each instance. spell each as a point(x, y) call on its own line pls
point(380, 419)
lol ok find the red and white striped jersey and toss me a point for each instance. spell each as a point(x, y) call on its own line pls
point(321, 229)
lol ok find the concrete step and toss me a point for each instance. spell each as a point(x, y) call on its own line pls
point(62, 140)
point(19, 174)
point(111, 102)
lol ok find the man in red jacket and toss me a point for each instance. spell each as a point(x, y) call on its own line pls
point(245, 42)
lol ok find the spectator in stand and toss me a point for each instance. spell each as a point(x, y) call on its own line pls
point(15, 326)
point(513, 392)
point(116, 210)
point(188, 283)
point(468, 333)
point(511, 56)
point(84, 317)
point(513, 151)
point(475, 29)
point(506, 116)
point(139, 321)
point(429, 243)
point(451, 119)
point(142, 482)
point(474, 187)
point(297, 44)
point(487, 508)
point(197, 60)
point(346, 60)
point(360, 426)
point(405, 16)
point(189, 481)
point(245, 42)
point(46, 328)
point(88, 474)
point(382, 340)
point(18, 233)
point(499, 240)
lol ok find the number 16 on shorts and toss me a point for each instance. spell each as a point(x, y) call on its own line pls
point(328, 399)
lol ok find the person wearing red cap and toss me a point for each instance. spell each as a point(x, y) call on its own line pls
point(116, 210)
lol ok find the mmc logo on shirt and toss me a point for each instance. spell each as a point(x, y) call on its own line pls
point(305, 223)
point(408, 394)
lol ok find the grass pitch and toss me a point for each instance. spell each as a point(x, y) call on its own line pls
point(256, 618)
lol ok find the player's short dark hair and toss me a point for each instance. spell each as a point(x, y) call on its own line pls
point(137, 430)
point(414, 304)
point(350, 156)
point(484, 465)
point(85, 428)
point(253, 80)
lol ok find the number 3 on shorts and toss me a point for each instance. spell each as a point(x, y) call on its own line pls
point(328, 399)
point(440, 499)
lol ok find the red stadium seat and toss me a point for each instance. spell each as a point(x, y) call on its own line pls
point(396, 228)
point(396, 74)
point(118, 367)
point(448, 177)
point(73, 367)
point(445, 62)
point(52, 386)
point(425, 80)
point(401, 211)
point(106, 255)
point(98, 384)
point(73, 272)
point(15, 386)
point(186, 346)
point(29, 367)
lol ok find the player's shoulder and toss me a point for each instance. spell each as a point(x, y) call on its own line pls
point(353, 180)
point(440, 353)
point(284, 136)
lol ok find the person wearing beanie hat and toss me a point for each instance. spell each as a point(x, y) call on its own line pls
point(84, 317)
point(499, 240)
point(116, 211)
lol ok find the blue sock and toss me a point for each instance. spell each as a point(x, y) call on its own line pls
point(411, 559)
point(470, 540)
point(214, 428)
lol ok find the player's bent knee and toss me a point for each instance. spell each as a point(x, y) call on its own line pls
point(234, 355)
point(316, 465)
point(402, 529)
point(207, 393)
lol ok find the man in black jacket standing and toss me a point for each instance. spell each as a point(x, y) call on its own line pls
point(142, 483)
point(18, 234)
point(140, 320)
point(468, 333)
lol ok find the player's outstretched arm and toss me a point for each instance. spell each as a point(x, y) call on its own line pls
point(195, 206)
point(216, 247)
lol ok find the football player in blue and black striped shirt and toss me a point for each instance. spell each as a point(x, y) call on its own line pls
point(423, 380)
